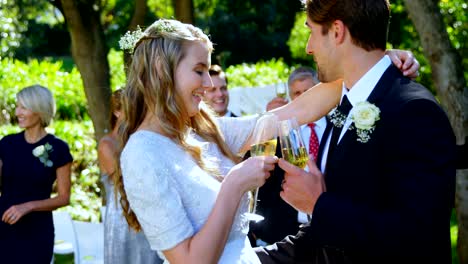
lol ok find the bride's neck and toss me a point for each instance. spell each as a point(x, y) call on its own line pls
point(152, 123)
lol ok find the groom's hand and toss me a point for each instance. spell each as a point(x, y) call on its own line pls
point(301, 189)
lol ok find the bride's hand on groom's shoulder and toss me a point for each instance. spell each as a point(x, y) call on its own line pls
point(405, 61)
point(301, 189)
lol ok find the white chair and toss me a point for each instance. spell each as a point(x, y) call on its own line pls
point(90, 242)
point(65, 235)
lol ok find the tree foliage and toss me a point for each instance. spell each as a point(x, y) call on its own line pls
point(249, 31)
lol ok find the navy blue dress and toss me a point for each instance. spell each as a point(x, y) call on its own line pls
point(25, 178)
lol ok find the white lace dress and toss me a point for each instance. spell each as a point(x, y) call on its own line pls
point(172, 196)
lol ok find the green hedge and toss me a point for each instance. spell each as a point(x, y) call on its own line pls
point(67, 87)
point(258, 74)
point(64, 82)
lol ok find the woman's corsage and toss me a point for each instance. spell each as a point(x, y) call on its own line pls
point(42, 152)
point(364, 115)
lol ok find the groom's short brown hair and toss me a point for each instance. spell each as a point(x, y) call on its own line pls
point(367, 20)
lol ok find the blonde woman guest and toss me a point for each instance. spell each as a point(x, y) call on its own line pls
point(30, 162)
point(121, 243)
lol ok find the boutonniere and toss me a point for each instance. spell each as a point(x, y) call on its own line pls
point(363, 115)
point(42, 152)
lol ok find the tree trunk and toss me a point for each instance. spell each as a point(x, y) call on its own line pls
point(447, 74)
point(183, 10)
point(89, 51)
point(138, 19)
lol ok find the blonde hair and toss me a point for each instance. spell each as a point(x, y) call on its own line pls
point(39, 100)
point(150, 89)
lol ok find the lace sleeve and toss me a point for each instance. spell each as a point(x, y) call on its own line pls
point(236, 130)
point(148, 176)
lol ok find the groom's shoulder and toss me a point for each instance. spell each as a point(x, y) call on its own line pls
point(405, 90)
point(406, 96)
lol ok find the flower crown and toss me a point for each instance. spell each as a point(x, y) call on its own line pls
point(130, 40)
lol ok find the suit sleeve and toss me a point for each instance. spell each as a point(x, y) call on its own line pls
point(418, 178)
point(292, 249)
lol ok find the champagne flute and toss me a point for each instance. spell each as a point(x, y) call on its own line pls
point(264, 144)
point(281, 90)
point(292, 144)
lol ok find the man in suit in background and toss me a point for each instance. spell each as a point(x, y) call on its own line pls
point(388, 166)
point(218, 96)
point(280, 218)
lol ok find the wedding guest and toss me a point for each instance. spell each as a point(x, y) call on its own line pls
point(387, 156)
point(218, 96)
point(121, 243)
point(30, 162)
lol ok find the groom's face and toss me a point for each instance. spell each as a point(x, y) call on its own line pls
point(322, 47)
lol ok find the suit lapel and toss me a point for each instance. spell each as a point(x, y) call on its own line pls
point(323, 141)
point(350, 137)
point(377, 94)
point(383, 85)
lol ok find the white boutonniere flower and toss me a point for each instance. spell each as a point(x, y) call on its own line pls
point(364, 116)
point(42, 152)
point(337, 118)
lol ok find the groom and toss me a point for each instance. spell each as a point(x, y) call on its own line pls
point(388, 166)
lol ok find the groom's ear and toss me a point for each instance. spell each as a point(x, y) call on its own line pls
point(340, 31)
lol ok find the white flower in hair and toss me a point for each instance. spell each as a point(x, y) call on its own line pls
point(128, 41)
point(131, 38)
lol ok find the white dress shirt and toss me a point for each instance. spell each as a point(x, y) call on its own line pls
point(319, 128)
point(359, 93)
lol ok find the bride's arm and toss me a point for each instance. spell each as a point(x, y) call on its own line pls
point(312, 104)
point(207, 245)
point(323, 97)
point(309, 106)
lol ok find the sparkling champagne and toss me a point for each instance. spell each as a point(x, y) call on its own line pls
point(281, 94)
point(267, 148)
point(297, 157)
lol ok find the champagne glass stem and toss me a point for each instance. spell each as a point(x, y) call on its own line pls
point(254, 208)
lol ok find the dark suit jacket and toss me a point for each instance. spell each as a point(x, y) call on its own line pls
point(388, 200)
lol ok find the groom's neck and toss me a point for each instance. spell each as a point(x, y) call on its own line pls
point(357, 62)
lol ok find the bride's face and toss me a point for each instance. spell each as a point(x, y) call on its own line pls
point(192, 77)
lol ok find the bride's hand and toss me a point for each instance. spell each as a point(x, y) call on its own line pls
point(251, 173)
point(405, 61)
